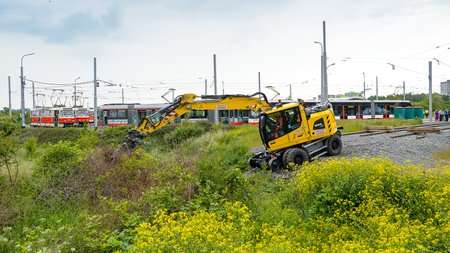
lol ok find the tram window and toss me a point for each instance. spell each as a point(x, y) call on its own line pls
point(118, 114)
point(196, 114)
point(350, 110)
point(66, 113)
point(82, 113)
point(337, 110)
point(121, 113)
point(223, 113)
point(366, 110)
point(379, 110)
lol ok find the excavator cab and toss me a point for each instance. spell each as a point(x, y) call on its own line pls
point(278, 125)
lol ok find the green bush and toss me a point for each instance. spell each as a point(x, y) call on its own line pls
point(221, 168)
point(206, 125)
point(114, 135)
point(30, 146)
point(58, 161)
point(88, 140)
point(8, 159)
point(50, 135)
point(183, 132)
point(7, 125)
point(174, 185)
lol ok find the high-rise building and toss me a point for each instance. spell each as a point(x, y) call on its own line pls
point(445, 88)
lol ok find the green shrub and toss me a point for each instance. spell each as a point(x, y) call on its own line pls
point(50, 135)
point(30, 146)
point(114, 135)
point(206, 125)
point(7, 125)
point(221, 168)
point(8, 159)
point(88, 140)
point(175, 185)
point(58, 161)
point(183, 132)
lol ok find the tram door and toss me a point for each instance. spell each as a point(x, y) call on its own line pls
point(351, 112)
point(141, 115)
point(56, 117)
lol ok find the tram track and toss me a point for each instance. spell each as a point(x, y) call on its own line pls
point(366, 133)
point(399, 145)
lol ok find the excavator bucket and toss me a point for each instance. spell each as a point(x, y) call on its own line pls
point(133, 140)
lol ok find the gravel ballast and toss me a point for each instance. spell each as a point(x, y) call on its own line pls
point(407, 149)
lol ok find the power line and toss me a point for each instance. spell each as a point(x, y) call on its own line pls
point(57, 84)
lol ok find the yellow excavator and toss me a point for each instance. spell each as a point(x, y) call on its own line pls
point(290, 133)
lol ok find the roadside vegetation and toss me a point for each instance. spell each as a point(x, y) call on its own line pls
point(443, 155)
point(188, 189)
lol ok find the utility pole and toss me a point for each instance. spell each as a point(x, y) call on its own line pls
point(404, 94)
point(75, 92)
point(223, 88)
point(123, 99)
point(95, 95)
point(9, 89)
point(34, 101)
point(376, 82)
point(206, 86)
point(430, 102)
point(215, 75)
point(22, 90)
point(290, 91)
point(216, 112)
point(259, 81)
point(364, 85)
point(322, 98)
point(325, 75)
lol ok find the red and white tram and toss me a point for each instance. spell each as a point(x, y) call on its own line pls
point(82, 116)
point(52, 117)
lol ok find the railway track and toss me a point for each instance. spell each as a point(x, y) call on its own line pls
point(442, 126)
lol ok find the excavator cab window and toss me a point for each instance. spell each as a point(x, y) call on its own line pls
point(155, 118)
point(278, 124)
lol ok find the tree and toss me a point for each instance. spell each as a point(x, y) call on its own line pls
point(5, 111)
point(8, 150)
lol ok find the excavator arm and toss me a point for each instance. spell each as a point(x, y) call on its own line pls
point(188, 102)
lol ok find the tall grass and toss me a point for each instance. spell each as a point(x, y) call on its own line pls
point(443, 155)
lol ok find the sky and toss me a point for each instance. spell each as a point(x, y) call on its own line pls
point(147, 47)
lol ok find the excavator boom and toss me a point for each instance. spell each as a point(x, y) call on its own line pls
point(189, 102)
point(291, 133)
